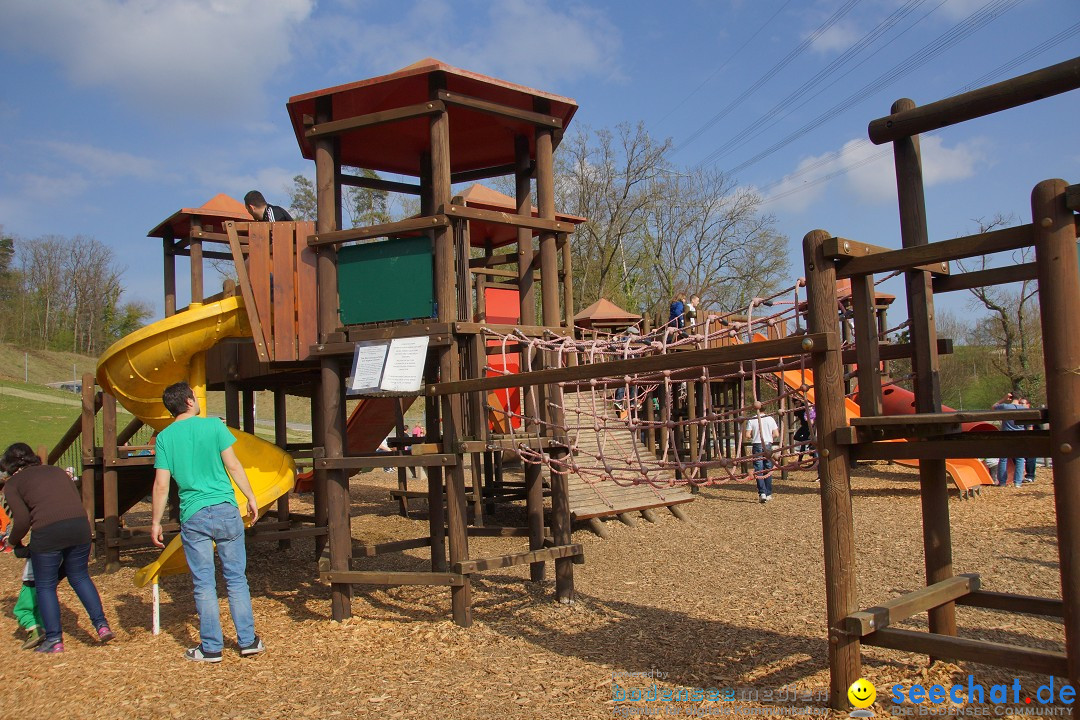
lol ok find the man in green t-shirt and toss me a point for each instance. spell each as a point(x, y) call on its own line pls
point(197, 451)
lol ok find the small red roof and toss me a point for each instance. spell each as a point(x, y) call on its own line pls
point(477, 139)
point(213, 213)
point(483, 234)
point(604, 312)
point(843, 291)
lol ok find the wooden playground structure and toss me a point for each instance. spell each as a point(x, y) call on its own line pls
point(306, 309)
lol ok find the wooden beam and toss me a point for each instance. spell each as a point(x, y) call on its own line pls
point(247, 293)
point(983, 278)
point(467, 567)
point(1012, 238)
point(506, 111)
point(1010, 602)
point(354, 462)
point(378, 184)
point(880, 616)
point(507, 218)
point(482, 173)
point(469, 328)
point(956, 447)
point(1006, 94)
point(949, 418)
point(814, 343)
point(389, 547)
point(374, 577)
point(338, 127)
point(490, 261)
point(842, 248)
point(1043, 662)
point(408, 225)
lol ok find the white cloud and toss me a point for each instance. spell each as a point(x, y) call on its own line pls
point(104, 163)
point(171, 56)
point(539, 43)
point(837, 38)
point(868, 173)
point(51, 189)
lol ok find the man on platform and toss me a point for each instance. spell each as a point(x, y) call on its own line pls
point(262, 211)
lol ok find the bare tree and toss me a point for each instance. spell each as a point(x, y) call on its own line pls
point(653, 231)
point(1013, 324)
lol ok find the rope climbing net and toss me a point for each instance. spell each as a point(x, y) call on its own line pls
point(670, 427)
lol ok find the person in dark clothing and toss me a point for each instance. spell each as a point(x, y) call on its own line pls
point(44, 500)
point(262, 211)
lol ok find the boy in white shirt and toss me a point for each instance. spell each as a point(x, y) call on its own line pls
point(761, 431)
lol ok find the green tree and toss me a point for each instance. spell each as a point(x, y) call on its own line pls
point(367, 206)
point(302, 202)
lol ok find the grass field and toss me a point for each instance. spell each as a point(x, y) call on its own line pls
point(37, 414)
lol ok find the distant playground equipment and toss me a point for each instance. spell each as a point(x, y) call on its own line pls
point(499, 379)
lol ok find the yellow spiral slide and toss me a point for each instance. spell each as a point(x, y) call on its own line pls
point(139, 367)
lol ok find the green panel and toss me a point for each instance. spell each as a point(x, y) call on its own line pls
point(388, 280)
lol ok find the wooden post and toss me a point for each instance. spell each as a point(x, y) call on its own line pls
point(401, 430)
point(248, 410)
point(549, 300)
point(89, 412)
point(109, 488)
point(837, 522)
point(866, 345)
point(232, 405)
point(195, 248)
point(1059, 300)
point(534, 482)
point(281, 438)
point(319, 486)
point(169, 264)
point(934, 488)
point(446, 298)
point(330, 380)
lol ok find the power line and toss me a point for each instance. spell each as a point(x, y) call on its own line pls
point(724, 64)
point(984, 79)
point(970, 25)
point(771, 73)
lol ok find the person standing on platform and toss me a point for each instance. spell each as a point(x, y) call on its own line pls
point(1009, 403)
point(761, 431)
point(198, 452)
point(675, 312)
point(261, 211)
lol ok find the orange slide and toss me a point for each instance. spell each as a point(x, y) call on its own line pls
point(967, 473)
point(371, 420)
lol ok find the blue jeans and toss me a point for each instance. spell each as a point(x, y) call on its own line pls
point(764, 480)
point(47, 568)
point(219, 524)
point(1029, 468)
point(1018, 471)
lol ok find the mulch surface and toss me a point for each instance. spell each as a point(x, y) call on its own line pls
point(734, 598)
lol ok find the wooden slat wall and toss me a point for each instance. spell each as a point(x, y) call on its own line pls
point(306, 291)
point(283, 261)
point(259, 271)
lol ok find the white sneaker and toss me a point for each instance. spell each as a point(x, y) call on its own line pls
point(762, 497)
point(768, 498)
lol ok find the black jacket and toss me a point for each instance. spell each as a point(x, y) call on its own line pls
point(276, 213)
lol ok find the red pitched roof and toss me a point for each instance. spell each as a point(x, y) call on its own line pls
point(605, 312)
point(213, 212)
point(397, 146)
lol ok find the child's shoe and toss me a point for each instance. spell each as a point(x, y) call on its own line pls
point(104, 634)
point(34, 638)
point(51, 646)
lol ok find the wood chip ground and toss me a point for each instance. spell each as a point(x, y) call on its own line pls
point(733, 598)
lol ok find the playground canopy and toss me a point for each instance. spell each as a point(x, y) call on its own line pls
point(387, 118)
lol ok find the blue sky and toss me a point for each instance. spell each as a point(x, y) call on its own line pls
point(116, 113)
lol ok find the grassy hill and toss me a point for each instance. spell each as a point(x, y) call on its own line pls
point(35, 413)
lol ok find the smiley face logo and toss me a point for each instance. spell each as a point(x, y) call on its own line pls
point(862, 693)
